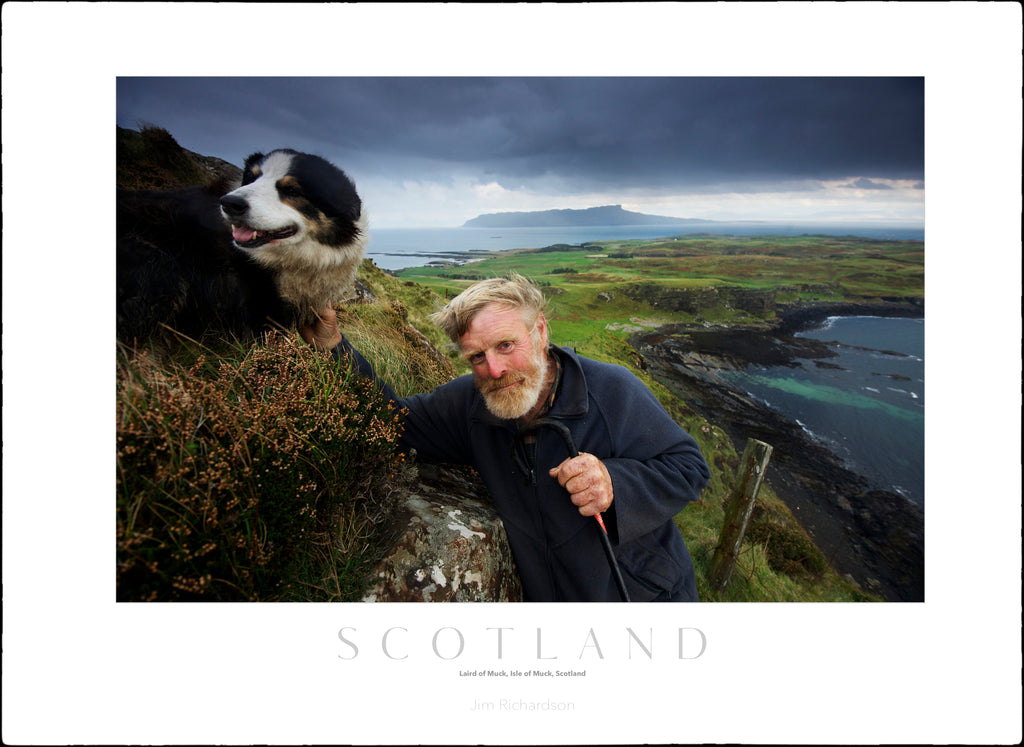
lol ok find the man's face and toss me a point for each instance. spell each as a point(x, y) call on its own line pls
point(509, 363)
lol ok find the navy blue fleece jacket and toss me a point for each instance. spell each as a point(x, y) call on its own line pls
point(655, 466)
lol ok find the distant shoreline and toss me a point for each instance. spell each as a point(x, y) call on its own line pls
point(444, 253)
point(389, 248)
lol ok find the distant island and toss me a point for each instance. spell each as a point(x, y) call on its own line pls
point(609, 215)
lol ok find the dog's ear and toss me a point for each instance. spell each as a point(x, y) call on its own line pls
point(330, 188)
point(249, 169)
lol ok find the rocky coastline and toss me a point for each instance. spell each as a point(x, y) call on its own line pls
point(875, 537)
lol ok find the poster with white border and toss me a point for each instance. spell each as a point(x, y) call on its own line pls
point(80, 668)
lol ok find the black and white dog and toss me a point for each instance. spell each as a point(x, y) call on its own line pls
point(274, 252)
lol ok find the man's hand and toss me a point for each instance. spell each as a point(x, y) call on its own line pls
point(588, 482)
point(324, 333)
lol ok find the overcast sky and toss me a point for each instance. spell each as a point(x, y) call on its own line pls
point(439, 151)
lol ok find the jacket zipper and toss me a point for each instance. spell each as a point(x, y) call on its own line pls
point(533, 484)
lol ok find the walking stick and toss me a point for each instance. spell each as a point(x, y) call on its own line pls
point(606, 543)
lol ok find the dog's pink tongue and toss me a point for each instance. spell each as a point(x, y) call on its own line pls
point(242, 233)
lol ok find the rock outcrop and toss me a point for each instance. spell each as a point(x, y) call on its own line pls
point(450, 547)
point(696, 300)
point(793, 317)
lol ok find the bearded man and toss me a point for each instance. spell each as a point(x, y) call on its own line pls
point(636, 466)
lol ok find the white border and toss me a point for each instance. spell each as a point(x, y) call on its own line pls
point(78, 668)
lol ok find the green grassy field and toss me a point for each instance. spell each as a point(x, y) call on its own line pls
point(609, 286)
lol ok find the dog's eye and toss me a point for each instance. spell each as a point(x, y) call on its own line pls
point(289, 189)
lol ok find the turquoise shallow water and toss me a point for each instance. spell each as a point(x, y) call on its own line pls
point(866, 404)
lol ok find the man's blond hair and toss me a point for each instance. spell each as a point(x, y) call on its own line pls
point(513, 291)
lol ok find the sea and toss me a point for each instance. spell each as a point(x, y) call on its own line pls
point(866, 406)
point(398, 248)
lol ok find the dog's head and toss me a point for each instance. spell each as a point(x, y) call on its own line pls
point(289, 201)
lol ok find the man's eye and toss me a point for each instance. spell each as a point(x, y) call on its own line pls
point(476, 358)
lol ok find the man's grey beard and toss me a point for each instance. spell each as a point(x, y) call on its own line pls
point(519, 401)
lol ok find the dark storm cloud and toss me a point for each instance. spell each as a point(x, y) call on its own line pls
point(863, 183)
point(584, 132)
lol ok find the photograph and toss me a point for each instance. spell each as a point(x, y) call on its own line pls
point(798, 330)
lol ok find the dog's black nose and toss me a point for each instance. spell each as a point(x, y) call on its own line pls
point(234, 206)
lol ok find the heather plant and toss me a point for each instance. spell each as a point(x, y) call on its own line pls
point(260, 477)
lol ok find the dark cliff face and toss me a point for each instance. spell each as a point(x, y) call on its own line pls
point(152, 159)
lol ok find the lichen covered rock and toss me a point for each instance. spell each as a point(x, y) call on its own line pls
point(453, 547)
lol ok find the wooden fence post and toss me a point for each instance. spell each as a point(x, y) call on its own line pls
point(737, 512)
